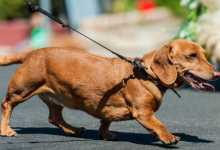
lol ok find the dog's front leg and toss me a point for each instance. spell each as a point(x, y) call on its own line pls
point(147, 119)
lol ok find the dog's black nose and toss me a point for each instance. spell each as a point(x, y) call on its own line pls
point(216, 74)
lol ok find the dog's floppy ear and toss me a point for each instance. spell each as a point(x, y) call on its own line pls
point(163, 66)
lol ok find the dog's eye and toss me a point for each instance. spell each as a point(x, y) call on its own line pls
point(193, 55)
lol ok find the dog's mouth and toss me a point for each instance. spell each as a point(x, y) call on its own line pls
point(197, 82)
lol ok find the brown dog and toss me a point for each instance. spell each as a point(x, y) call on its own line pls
point(107, 88)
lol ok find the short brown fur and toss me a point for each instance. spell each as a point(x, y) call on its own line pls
point(107, 88)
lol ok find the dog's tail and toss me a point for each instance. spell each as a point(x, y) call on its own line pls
point(12, 59)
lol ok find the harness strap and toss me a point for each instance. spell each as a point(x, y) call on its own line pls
point(136, 63)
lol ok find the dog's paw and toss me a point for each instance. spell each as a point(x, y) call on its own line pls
point(108, 136)
point(76, 132)
point(8, 133)
point(170, 140)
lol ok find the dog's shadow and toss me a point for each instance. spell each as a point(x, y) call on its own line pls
point(136, 138)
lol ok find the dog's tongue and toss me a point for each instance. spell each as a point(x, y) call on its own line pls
point(206, 84)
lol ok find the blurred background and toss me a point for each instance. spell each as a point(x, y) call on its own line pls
point(129, 27)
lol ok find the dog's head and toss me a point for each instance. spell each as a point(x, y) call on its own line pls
point(182, 61)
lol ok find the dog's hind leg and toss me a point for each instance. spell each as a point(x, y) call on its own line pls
point(14, 97)
point(7, 108)
point(56, 118)
point(23, 85)
point(104, 132)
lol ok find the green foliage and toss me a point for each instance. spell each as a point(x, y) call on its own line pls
point(174, 6)
point(123, 6)
point(12, 9)
point(58, 6)
point(188, 28)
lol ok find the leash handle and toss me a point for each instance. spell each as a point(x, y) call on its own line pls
point(33, 8)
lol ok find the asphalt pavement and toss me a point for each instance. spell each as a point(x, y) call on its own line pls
point(195, 118)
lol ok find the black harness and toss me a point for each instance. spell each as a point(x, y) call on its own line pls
point(136, 63)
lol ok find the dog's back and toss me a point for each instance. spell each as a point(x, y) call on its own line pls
point(71, 78)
